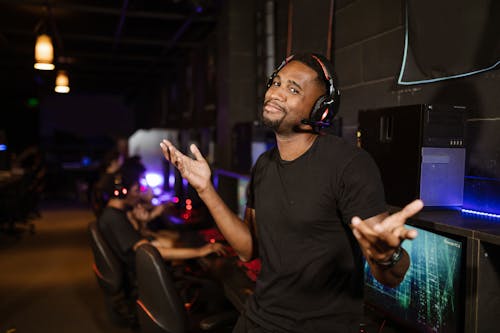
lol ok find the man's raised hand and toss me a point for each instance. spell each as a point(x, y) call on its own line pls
point(196, 171)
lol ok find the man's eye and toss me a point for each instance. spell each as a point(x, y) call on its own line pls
point(276, 83)
point(293, 90)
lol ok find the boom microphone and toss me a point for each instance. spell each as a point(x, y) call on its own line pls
point(316, 124)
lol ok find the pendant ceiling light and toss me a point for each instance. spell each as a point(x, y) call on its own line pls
point(44, 53)
point(62, 82)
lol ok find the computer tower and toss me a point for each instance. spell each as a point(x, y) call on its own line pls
point(420, 151)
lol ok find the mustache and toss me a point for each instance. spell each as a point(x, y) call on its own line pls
point(275, 103)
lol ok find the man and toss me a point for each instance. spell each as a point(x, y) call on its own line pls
point(315, 206)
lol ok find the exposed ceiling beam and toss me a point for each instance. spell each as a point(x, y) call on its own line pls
point(108, 10)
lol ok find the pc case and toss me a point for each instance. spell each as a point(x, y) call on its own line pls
point(420, 151)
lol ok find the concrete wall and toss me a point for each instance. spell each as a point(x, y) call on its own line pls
point(368, 52)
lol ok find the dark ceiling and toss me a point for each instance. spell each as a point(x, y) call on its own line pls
point(110, 46)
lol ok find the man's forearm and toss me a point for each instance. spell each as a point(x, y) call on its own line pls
point(232, 227)
point(177, 253)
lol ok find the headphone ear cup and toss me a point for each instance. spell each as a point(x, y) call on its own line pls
point(119, 191)
point(322, 110)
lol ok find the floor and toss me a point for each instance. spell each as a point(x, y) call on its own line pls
point(46, 280)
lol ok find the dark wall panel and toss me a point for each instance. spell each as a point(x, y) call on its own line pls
point(310, 26)
point(350, 71)
point(366, 18)
point(382, 56)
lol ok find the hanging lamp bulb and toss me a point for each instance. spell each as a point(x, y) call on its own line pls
point(62, 82)
point(44, 53)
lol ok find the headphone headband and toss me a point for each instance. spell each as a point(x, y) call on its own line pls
point(327, 75)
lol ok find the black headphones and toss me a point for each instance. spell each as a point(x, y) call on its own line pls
point(119, 190)
point(326, 107)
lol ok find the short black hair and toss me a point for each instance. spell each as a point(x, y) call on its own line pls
point(131, 171)
point(308, 59)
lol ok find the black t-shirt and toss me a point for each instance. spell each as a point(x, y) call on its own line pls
point(312, 270)
point(120, 235)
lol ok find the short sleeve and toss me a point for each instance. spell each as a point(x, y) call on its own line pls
point(361, 190)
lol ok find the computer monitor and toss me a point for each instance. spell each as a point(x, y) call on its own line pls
point(232, 188)
point(431, 297)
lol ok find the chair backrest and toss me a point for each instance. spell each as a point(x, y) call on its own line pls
point(107, 267)
point(160, 308)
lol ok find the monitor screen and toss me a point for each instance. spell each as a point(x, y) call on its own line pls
point(431, 296)
point(232, 188)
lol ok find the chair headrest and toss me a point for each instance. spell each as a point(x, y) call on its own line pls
point(107, 267)
point(159, 300)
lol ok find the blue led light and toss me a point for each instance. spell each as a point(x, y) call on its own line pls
point(86, 161)
point(482, 214)
point(3, 147)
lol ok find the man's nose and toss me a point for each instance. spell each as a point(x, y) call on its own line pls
point(276, 92)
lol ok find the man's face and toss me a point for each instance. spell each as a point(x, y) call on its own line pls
point(133, 195)
point(290, 97)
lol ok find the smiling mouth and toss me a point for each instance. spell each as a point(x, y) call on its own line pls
point(271, 107)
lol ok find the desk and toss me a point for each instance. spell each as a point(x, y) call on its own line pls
point(237, 285)
point(225, 269)
point(482, 262)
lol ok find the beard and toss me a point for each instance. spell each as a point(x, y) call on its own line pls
point(279, 126)
point(273, 124)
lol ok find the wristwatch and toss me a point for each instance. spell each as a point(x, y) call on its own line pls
point(395, 257)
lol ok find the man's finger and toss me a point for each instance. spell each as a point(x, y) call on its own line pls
point(364, 230)
point(408, 234)
point(168, 149)
point(411, 209)
point(369, 244)
point(397, 219)
point(196, 152)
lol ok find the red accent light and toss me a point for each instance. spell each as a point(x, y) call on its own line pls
point(146, 311)
point(189, 207)
point(212, 240)
point(97, 272)
point(116, 193)
point(323, 116)
point(175, 199)
point(124, 191)
point(188, 201)
point(185, 216)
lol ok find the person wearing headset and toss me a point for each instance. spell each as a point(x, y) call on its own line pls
point(315, 207)
point(117, 229)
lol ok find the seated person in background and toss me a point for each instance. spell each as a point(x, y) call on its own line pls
point(110, 164)
point(119, 232)
point(140, 216)
point(144, 213)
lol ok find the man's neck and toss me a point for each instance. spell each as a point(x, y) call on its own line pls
point(294, 146)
